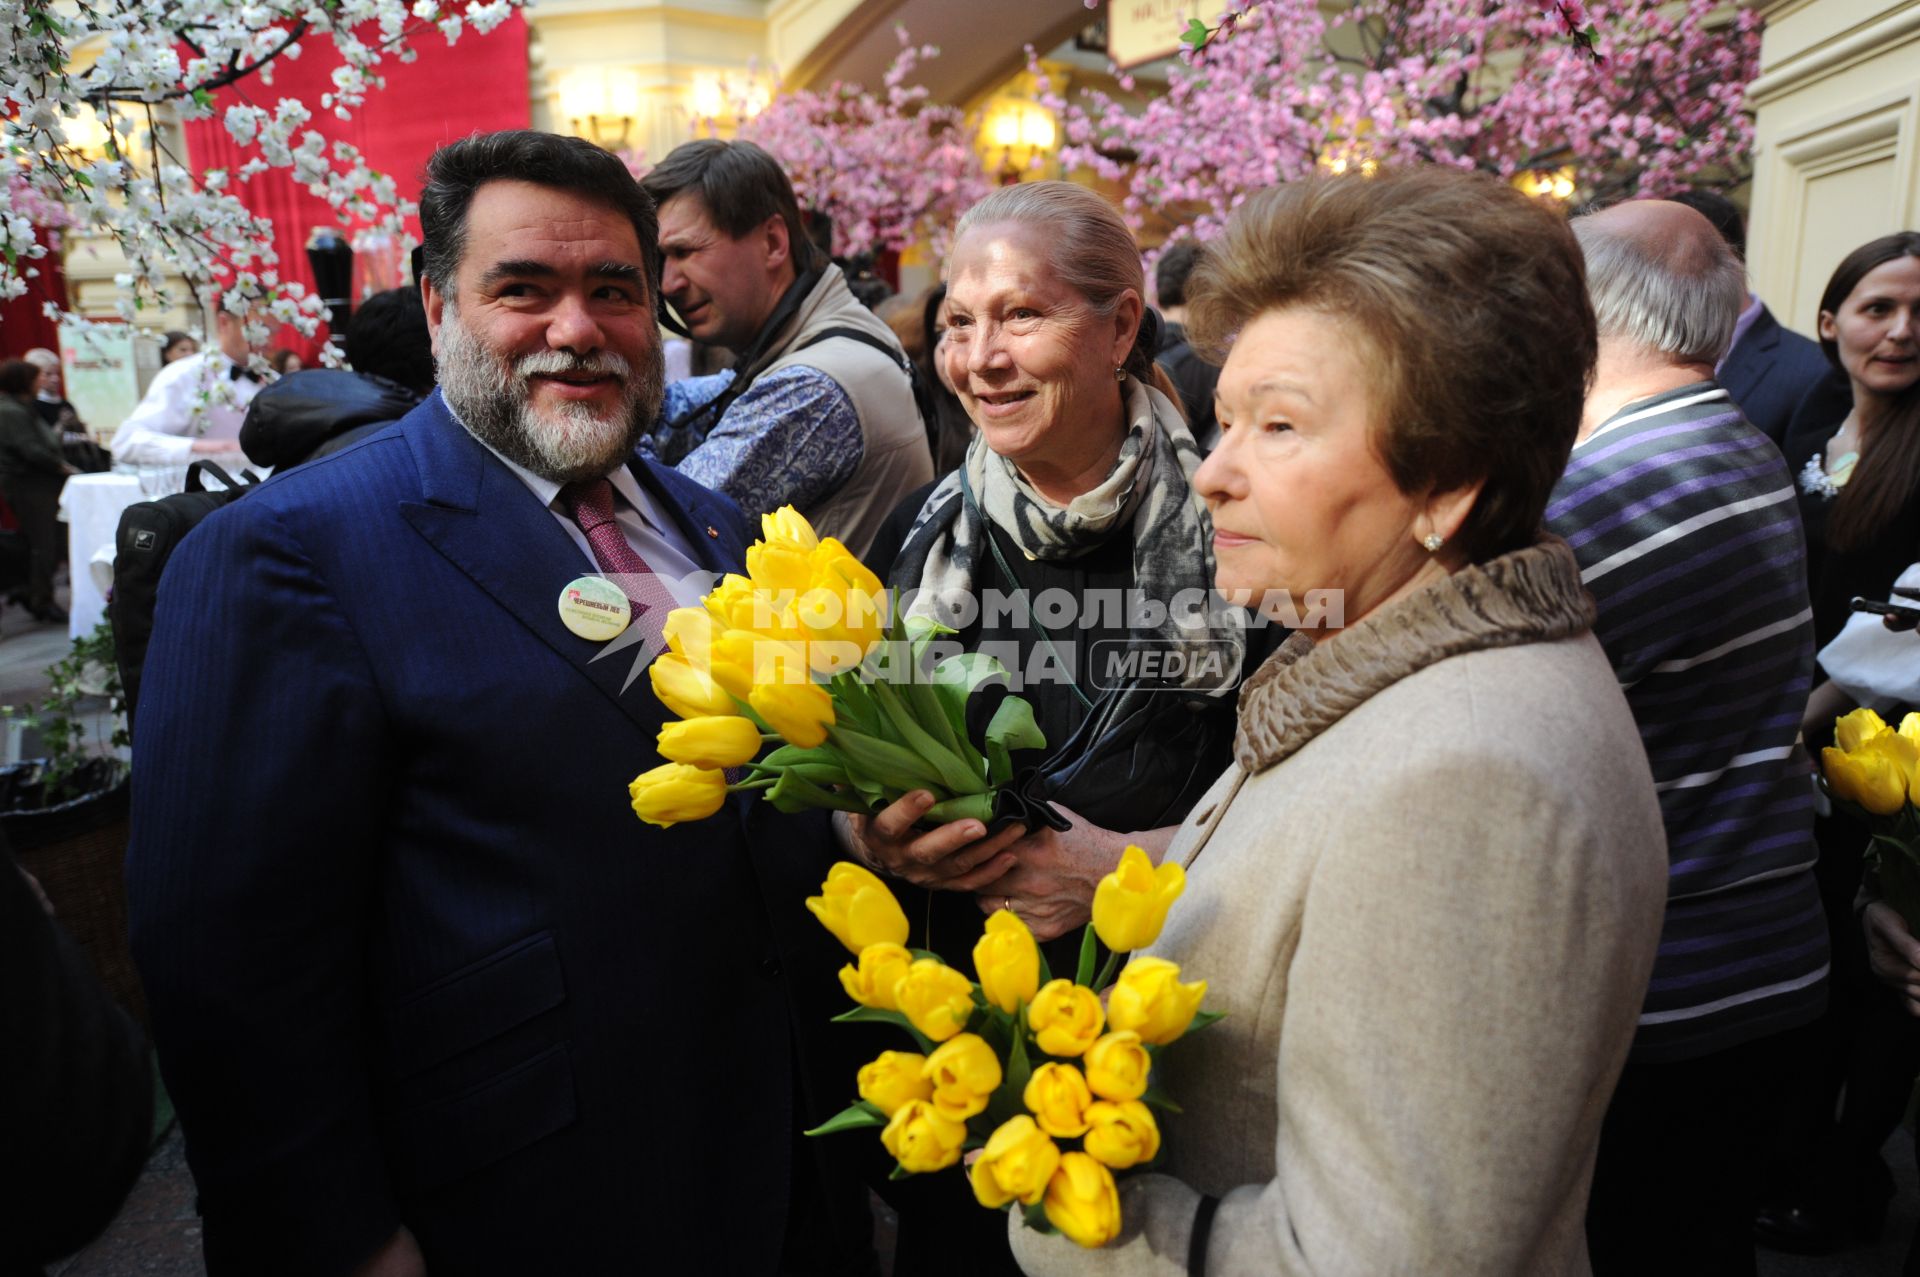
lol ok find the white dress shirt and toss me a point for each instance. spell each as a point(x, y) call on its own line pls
point(192, 398)
point(652, 534)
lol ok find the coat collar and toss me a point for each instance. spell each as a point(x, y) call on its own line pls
point(484, 521)
point(1529, 596)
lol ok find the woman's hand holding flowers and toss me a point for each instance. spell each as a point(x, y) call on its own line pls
point(958, 856)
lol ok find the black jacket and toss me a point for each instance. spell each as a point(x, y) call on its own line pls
point(316, 411)
point(1779, 377)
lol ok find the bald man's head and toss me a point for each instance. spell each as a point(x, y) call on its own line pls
point(1662, 279)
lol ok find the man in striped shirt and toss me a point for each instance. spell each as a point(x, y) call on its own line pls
point(1683, 518)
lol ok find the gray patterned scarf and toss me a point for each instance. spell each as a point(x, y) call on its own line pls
point(1150, 489)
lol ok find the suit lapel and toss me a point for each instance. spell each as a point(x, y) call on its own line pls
point(479, 516)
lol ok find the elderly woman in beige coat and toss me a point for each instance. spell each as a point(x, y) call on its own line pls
point(1428, 891)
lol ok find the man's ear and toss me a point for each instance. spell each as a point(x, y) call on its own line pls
point(779, 243)
point(434, 303)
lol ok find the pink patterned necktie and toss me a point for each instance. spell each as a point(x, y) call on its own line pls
point(590, 504)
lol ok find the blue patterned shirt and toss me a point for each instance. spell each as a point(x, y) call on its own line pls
point(792, 439)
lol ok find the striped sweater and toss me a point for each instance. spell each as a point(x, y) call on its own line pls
point(1684, 521)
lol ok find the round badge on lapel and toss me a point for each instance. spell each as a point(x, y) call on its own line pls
point(594, 608)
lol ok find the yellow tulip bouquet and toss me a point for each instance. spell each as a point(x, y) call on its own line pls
point(800, 652)
point(1872, 772)
point(1054, 1091)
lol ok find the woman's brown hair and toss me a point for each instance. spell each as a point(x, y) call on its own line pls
point(1884, 478)
point(1470, 300)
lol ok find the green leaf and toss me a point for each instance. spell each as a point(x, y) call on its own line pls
point(1089, 953)
point(852, 1118)
point(955, 679)
point(202, 98)
point(1158, 1098)
point(951, 772)
point(968, 807)
point(882, 760)
point(1009, 1100)
point(853, 703)
point(1036, 1218)
point(1195, 34)
point(1201, 1019)
point(793, 793)
point(931, 715)
point(858, 1015)
point(1012, 728)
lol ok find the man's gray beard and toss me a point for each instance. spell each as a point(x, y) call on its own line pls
point(569, 443)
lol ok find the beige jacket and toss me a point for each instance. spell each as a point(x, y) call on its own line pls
point(894, 458)
point(1427, 895)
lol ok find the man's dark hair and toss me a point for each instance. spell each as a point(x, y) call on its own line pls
point(18, 377)
point(1722, 212)
point(1171, 271)
point(573, 164)
point(388, 338)
point(740, 186)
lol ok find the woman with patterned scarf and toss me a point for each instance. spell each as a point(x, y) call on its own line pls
point(1075, 500)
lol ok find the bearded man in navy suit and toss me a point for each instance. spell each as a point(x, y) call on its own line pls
point(428, 997)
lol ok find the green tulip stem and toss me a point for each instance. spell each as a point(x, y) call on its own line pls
point(745, 785)
point(767, 738)
point(1106, 972)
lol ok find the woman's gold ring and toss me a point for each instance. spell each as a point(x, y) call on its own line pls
point(1007, 904)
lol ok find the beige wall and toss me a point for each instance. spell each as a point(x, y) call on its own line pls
point(1837, 125)
point(669, 47)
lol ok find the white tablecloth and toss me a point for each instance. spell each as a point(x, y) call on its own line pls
point(91, 505)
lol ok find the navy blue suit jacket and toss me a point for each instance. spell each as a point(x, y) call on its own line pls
point(411, 957)
point(1777, 377)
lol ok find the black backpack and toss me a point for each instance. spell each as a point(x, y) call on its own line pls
point(148, 535)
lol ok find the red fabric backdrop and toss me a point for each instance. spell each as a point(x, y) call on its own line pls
point(23, 325)
point(474, 86)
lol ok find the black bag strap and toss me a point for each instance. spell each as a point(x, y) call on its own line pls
point(922, 395)
point(197, 478)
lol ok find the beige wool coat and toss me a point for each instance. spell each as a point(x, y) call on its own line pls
point(1427, 895)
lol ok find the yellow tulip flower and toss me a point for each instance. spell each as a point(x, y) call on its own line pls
point(801, 712)
point(871, 983)
point(921, 1140)
point(675, 792)
point(1057, 1095)
point(789, 527)
point(1066, 1018)
point(1083, 1202)
point(779, 567)
point(935, 998)
point(714, 742)
point(858, 909)
point(1130, 904)
point(1016, 1165)
point(965, 1073)
point(1149, 999)
point(689, 633)
point(688, 692)
point(894, 1078)
point(1007, 961)
point(1117, 1066)
point(1121, 1134)
point(1868, 777)
point(1887, 764)
point(1855, 728)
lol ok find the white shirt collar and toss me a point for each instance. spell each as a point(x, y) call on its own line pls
point(548, 491)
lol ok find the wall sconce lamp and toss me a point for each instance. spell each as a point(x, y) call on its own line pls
point(1014, 134)
point(600, 104)
point(1554, 184)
